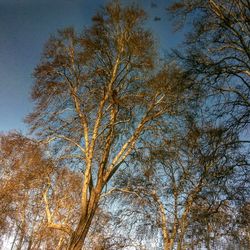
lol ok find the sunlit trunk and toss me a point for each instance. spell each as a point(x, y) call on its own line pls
point(168, 244)
point(168, 240)
point(79, 235)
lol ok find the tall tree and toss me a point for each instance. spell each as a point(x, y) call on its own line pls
point(96, 94)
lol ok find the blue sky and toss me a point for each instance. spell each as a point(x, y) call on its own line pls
point(25, 26)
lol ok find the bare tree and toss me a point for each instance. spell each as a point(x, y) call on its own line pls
point(34, 192)
point(177, 183)
point(217, 52)
point(96, 94)
point(23, 174)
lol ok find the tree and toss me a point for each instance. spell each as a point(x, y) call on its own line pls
point(179, 182)
point(24, 171)
point(96, 94)
point(35, 194)
point(217, 52)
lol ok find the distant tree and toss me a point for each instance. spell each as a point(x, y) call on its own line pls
point(23, 174)
point(33, 192)
point(217, 52)
point(96, 94)
point(178, 183)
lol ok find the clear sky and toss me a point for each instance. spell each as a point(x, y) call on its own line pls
point(25, 26)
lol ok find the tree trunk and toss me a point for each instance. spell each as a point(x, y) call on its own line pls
point(15, 238)
point(168, 244)
point(183, 228)
point(30, 243)
point(20, 242)
point(79, 235)
point(207, 237)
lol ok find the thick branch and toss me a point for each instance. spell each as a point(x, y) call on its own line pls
point(65, 228)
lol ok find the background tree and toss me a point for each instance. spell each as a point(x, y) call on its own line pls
point(23, 171)
point(179, 182)
point(31, 187)
point(217, 52)
point(96, 94)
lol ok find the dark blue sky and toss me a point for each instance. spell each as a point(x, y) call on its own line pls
point(25, 25)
